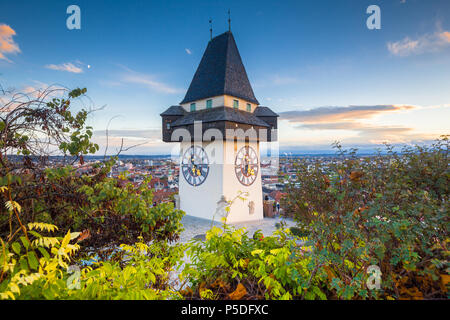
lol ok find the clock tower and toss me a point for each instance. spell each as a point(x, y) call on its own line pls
point(219, 125)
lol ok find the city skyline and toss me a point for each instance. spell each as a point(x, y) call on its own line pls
point(316, 64)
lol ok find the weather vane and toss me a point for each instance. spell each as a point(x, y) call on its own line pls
point(229, 20)
point(210, 27)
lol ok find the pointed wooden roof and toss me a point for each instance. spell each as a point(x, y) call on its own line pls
point(220, 72)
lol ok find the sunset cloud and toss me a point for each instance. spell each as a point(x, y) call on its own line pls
point(365, 132)
point(7, 43)
point(68, 67)
point(336, 114)
point(426, 43)
point(353, 122)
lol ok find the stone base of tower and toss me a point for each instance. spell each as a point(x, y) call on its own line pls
point(205, 208)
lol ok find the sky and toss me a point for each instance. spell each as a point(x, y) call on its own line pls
point(315, 63)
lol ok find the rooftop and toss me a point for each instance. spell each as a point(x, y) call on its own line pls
point(261, 111)
point(220, 72)
point(220, 114)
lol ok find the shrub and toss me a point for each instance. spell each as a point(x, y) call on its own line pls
point(388, 210)
point(231, 265)
point(111, 212)
point(42, 267)
point(117, 218)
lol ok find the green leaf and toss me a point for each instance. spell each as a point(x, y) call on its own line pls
point(25, 242)
point(32, 260)
point(23, 263)
point(16, 247)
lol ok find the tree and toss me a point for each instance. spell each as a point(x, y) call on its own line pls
point(36, 126)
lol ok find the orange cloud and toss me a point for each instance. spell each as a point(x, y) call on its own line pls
point(7, 44)
point(445, 36)
point(349, 119)
point(336, 114)
point(69, 67)
point(425, 43)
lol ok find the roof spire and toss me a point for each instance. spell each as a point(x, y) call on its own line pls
point(220, 72)
point(210, 28)
point(229, 20)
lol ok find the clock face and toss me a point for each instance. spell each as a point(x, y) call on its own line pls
point(246, 165)
point(195, 165)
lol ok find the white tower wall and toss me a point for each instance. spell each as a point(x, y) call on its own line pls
point(201, 201)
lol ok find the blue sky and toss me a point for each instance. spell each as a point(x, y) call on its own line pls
point(314, 62)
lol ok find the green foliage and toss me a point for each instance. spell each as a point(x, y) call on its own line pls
point(42, 267)
point(113, 212)
point(122, 213)
point(117, 219)
point(35, 263)
point(234, 266)
point(299, 231)
point(388, 210)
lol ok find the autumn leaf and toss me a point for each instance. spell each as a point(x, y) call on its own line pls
point(238, 293)
point(355, 175)
point(445, 279)
point(85, 234)
point(218, 283)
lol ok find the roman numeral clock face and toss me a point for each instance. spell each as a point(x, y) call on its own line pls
point(246, 165)
point(195, 165)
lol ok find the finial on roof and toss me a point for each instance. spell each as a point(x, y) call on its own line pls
point(229, 20)
point(210, 28)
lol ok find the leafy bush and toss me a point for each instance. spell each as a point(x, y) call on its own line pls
point(111, 212)
point(231, 265)
point(42, 267)
point(117, 219)
point(389, 210)
point(36, 262)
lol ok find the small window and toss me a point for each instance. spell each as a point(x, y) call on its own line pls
point(249, 107)
point(168, 125)
point(208, 104)
point(193, 106)
point(236, 104)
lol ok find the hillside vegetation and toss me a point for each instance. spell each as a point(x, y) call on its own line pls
point(372, 228)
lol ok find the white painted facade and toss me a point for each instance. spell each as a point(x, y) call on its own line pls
point(201, 201)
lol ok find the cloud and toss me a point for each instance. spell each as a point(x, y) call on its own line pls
point(283, 80)
point(11, 98)
point(352, 119)
point(148, 81)
point(426, 43)
point(142, 141)
point(147, 134)
point(335, 114)
point(374, 134)
point(68, 67)
point(188, 51)
point(276, 80)
point(7, 44)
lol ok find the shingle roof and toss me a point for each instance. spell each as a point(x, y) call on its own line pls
point(220, 114)
point(174, 111)
point(261, 111)
point(220, 72)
